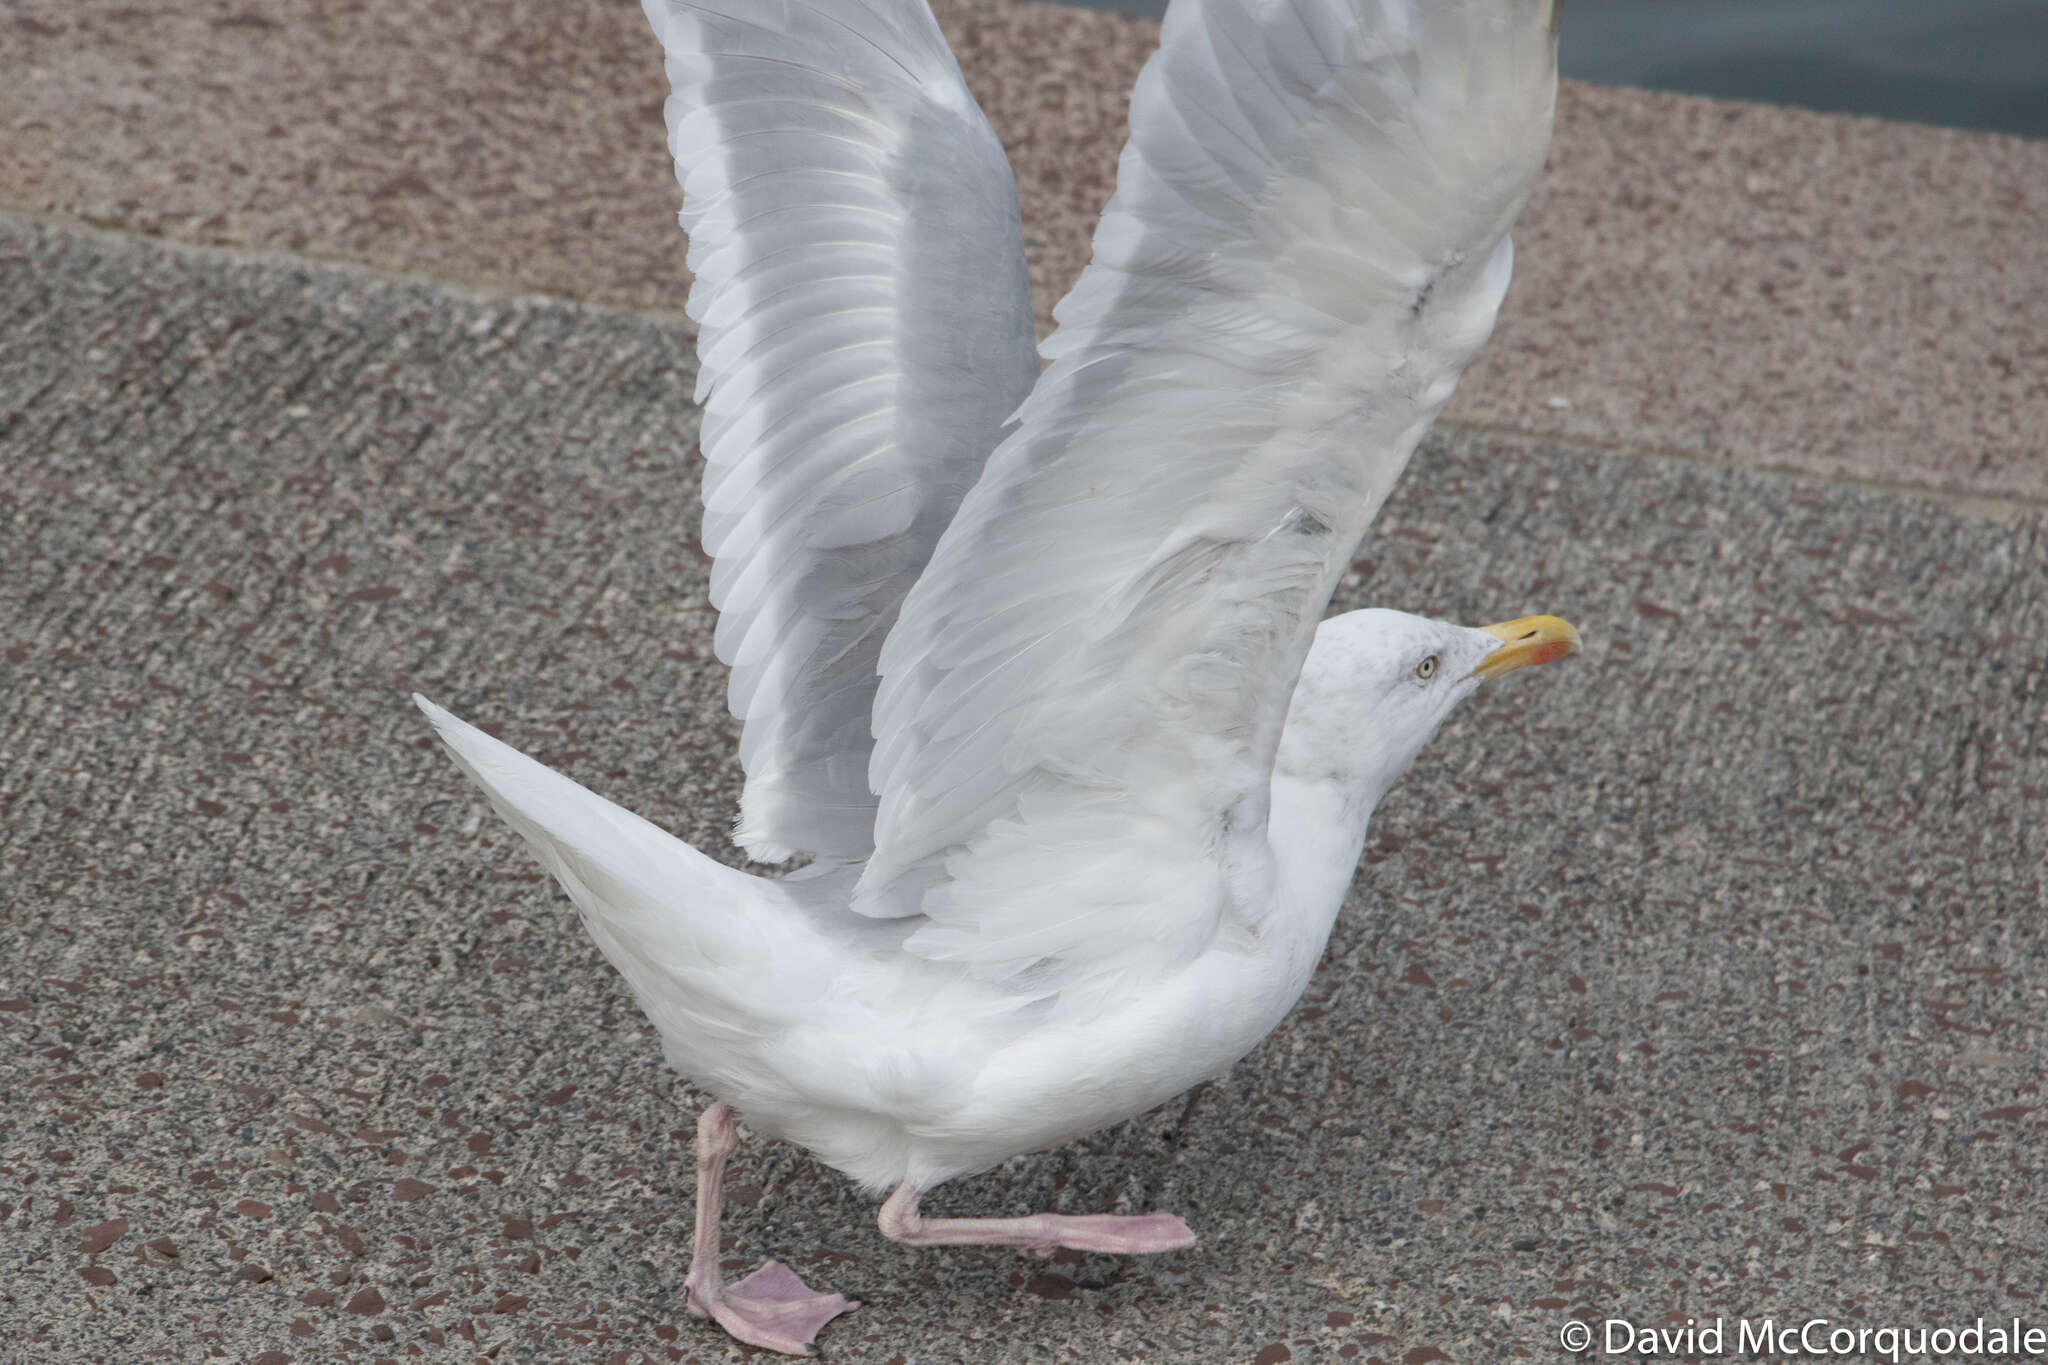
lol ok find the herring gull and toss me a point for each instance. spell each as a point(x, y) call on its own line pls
point(1032, 665)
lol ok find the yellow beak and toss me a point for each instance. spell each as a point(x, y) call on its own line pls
point(1527, 642)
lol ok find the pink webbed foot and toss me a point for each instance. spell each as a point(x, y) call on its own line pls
point(1118, 1234)
point(772, 1308)
point(1042, 1233)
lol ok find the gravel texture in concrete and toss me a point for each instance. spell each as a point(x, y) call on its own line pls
point(1736, 283)
point(1705, 975)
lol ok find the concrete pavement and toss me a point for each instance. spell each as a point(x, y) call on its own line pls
point(1703, 976)
point(1735, 283)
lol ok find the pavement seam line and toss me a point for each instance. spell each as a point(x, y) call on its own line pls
point(2000, 506)
point(475, 291)
point(2004, 506)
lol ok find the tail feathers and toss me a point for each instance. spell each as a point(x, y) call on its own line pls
point(683, 929)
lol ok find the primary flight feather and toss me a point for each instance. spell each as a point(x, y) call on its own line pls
point(864, 332)
point(1033, 666)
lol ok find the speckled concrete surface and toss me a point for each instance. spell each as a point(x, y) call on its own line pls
point(1728, 282)
point(1705, 975)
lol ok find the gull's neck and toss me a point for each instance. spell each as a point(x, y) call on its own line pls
point(1317, 832)
point(1328, 775)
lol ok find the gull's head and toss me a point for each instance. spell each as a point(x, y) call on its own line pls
point(1377, 684)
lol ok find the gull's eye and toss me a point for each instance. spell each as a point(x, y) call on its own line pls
point(1426, 669)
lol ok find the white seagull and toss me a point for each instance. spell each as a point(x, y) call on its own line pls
point(1033, 666)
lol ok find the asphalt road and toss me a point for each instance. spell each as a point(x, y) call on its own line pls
point(1701, 977)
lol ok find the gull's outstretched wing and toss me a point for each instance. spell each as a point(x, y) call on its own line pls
point(1082, 698)
point(865, 332)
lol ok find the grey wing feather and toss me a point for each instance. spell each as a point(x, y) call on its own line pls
point(865, 333)
point(1081, 700)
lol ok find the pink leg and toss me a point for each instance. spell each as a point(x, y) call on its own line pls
point(772, 1308)
point(1040, 1232)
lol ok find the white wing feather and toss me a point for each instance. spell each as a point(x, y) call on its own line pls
point(1085, 689)
point(865, 331)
